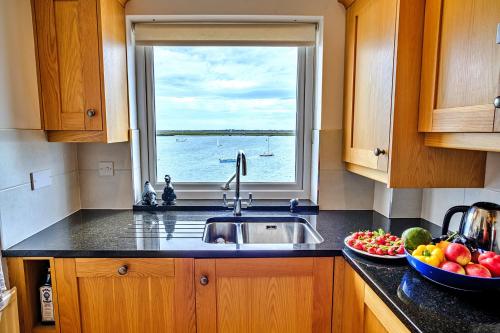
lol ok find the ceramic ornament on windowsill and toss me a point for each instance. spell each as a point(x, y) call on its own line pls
point(168, 195)
point(149, 195)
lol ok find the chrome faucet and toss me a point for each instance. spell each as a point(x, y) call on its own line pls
point(241, 164)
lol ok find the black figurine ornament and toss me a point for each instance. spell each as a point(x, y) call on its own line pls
point(168, 195)
point(149, 195)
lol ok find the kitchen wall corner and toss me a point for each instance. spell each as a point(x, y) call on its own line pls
point(397, 203)
point(105, 192)
point(436, 202)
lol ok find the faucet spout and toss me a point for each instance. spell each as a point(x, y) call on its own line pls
point(241, 165)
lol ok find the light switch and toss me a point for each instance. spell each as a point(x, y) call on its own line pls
point(106, 169)
point(40, 179)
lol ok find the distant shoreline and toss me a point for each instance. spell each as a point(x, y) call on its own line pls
point(231, 132)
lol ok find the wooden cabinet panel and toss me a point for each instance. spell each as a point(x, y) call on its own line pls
point(368, 82)
point(82, 69)
point(71, 77)
point(126, 295)
point(381, 102)
point(461, 66)
point(348, 306)
point(371, 323)
point(356, 306)
point(265, 295)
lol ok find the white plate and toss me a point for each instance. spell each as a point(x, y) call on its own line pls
point(378, 256)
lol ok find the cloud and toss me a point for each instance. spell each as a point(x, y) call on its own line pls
point(225, 87)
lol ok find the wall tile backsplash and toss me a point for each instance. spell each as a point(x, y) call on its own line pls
point(436, 202)
point(23, 211)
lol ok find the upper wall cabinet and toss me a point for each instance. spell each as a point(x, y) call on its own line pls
point(381, 98)
point(82, 68)
point(461, 74)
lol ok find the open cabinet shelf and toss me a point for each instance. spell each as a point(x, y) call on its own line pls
point(27, 275)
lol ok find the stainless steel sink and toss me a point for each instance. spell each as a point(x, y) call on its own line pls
point(221, 232)
point(260, 230)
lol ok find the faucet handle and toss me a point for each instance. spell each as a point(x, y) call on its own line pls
point(294, 203)
point(224, 199)
point(250, 199)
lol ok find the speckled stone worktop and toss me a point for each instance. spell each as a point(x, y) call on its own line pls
point(420, 304)
point(124, 233)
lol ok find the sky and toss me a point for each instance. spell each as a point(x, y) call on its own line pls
point(214, 88)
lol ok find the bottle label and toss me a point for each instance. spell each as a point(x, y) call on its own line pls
point(46, 304)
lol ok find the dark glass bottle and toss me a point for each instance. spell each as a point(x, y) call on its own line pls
point(46, 303)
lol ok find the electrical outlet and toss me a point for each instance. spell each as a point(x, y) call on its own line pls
point(40, 179)
point(106, 169)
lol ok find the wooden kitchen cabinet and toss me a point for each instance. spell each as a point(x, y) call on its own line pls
point(81, 53)
point(381, 102)
point(125, 295)
point(264, 295)
point(461, 74)
point(357, 308)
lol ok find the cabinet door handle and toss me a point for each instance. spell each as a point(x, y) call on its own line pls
point(378, 152)
point(123, 270)
point(91, 113)
point(204, 280)
point(496, 102)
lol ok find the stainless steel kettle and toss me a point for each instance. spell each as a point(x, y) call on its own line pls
point(480, 222)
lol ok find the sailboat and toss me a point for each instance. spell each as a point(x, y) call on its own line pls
point(267, 153)
point(222, 159)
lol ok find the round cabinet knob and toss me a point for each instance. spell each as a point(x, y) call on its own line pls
point(123, 270)
point(378, 152)
point(204, 280)
point(496, 102)
point(91, 113)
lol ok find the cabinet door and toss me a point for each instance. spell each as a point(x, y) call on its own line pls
point(356, 306)
point(264, 295)
point(370, 39)
point(126, 295)
point(68, 54)
point(460, 66)
point(348, 302)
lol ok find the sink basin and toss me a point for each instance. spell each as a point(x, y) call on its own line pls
point(220, 232)
point(260, 230)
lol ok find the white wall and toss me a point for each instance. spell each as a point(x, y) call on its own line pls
point(397, 203)
point(105, 192)
point(23, 146)
point(436, 202)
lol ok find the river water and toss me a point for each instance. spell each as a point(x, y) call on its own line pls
point(197, 158)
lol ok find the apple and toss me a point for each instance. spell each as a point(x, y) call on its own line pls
point(477, 270)
point(458, 253)
point(451, 266)
point(486, 255)
point(492, 264)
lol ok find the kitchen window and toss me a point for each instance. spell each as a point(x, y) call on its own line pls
point(213, 89)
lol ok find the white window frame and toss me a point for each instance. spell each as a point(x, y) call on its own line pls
point(212, 190)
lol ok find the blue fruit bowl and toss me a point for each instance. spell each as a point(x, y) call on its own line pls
point(450, 279)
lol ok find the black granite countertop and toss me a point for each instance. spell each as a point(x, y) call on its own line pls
point(420, 304)
point(124, 233)
point(425, 306)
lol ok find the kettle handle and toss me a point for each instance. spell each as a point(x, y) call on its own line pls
point(449, 214)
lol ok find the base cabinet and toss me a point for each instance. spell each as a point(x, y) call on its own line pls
point(186, 295)
point(357, 308)
point(125, 295)
point(264, 295)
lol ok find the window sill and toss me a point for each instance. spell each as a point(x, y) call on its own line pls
point(216, 205)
